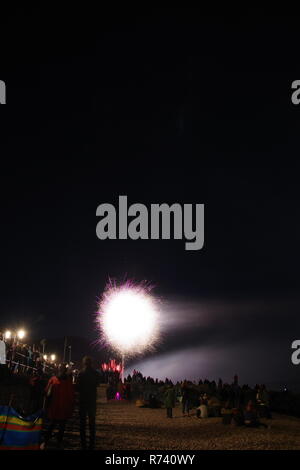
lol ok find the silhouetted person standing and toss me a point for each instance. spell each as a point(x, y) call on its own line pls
point(88, 380)
point(59, 404)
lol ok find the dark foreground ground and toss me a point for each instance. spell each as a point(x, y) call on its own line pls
point(121, 425)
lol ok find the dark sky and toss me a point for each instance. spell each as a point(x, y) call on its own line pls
point(164, 106)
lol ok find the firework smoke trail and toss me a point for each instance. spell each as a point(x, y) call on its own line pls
point(128, 317)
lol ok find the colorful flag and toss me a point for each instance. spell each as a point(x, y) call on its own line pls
point(19, 433)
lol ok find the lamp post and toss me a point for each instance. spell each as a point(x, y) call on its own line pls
point(43, 343)
point(122, 368)
point(70, 353)
point(20, 334)
point(65, 347)
point(45, 357)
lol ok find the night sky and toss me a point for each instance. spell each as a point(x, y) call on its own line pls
point(164, 106)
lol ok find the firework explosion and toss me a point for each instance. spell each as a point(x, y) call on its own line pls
point(128, 317)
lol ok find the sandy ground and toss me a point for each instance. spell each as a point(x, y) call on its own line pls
point(122, 425)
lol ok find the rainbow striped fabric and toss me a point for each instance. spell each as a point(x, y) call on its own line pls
point(18, 433)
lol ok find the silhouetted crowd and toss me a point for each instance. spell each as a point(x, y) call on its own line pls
point(22, 358)
point(54, 389)
point(59, 395)
point(241, 405)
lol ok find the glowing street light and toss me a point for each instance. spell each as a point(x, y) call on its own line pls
point(45, 357)
point(21, 334)
point(16, 334)
point(53, 357)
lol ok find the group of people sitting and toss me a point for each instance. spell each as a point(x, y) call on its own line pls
point(240, 405)
point(235, 404)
